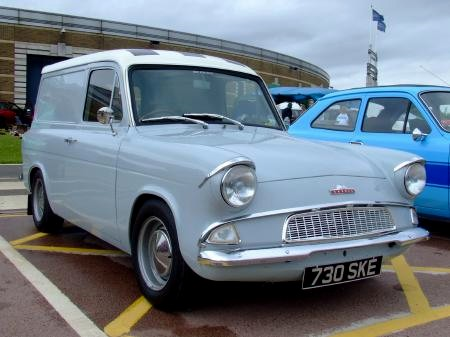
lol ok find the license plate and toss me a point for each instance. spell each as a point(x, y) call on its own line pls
point(321, 276)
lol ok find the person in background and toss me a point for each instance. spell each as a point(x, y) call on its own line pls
point(287, 112)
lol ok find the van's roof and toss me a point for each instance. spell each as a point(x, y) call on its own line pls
point(128, 57)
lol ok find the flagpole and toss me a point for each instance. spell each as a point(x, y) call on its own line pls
point(370, 27)
point(372, 71)
point(375, 39)
point(368, 80)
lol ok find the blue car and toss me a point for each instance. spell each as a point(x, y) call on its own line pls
point(408, 117)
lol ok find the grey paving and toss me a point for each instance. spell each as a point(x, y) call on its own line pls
point(13, 192)
point(10, 171)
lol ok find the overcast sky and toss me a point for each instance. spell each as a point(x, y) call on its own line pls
point(329, 33)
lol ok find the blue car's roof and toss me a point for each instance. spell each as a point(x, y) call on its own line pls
point(411, 88)
point(297, 94)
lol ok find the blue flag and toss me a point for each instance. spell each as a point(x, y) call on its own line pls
point(377, 16)
point(381, 26)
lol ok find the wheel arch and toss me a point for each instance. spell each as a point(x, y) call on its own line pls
point(30, 178)
point(137, 205)
point(31, 173)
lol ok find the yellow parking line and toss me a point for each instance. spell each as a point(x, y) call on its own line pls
point(417, 301)
point(422, 269)
point(422, 313)
point(72, 250)
point(431, 269)
point(127, 319)
point(28, 238)
point(398, 324)
point(12, 215)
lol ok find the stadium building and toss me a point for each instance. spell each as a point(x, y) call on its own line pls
point(29, 40)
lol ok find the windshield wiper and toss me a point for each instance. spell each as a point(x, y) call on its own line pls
point(175, 118)
point(216, 116)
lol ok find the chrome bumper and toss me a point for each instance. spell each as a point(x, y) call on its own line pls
point(290, 253)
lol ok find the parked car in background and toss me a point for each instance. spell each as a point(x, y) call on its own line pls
point(182, 161)
point(411, 118)
point(11, 114)
point(7, 116)
point(301, 98)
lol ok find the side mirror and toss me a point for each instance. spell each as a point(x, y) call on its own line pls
point(105, 115)
point(287, 122)
point(418, 135)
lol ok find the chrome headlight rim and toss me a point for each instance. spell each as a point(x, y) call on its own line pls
point(407, 184)
point(224, 183)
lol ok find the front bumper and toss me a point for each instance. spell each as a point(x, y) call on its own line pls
point(289, 253)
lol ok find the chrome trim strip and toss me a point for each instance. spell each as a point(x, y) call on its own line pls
point(409, 162)
point(301, 252)
point(228, 163)
point(351, 203)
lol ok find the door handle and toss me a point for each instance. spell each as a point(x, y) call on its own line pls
point(356, 142)
point(70, 140)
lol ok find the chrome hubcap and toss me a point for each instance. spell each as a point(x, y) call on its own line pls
point(38, 200)
point(155, 253)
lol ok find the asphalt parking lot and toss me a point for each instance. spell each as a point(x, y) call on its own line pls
point(72, 284)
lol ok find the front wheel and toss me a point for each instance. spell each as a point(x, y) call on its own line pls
point(44, 218)
point(161, 271)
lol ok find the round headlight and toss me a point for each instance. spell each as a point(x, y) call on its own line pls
point(238, 185)
point(415, 179)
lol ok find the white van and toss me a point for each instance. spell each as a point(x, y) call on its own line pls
point(182, 160)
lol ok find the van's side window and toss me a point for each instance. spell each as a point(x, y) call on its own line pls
point(103, 91)
point(61, 97)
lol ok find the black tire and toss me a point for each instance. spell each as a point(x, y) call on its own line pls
point(44, 219)
point(2, 123)
point(162, 274)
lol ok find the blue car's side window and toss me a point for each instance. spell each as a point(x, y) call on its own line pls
point(339, 116)
point(393, 115)
point(416, 121)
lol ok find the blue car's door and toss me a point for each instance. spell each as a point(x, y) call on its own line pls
point(387, 120)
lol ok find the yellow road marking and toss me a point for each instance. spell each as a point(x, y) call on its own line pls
point(398, 324)
point(431, 269)
point(422, 269)
point(127, 319)
point(12, 215)
point(417, 301)
point(72, 250)
point(28, 238)
point(422, 313)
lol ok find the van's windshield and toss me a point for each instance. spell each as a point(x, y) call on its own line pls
point(162, 92)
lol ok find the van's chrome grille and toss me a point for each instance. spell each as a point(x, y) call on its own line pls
point(338, 223)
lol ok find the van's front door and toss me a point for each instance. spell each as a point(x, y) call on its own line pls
point(94, 147)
